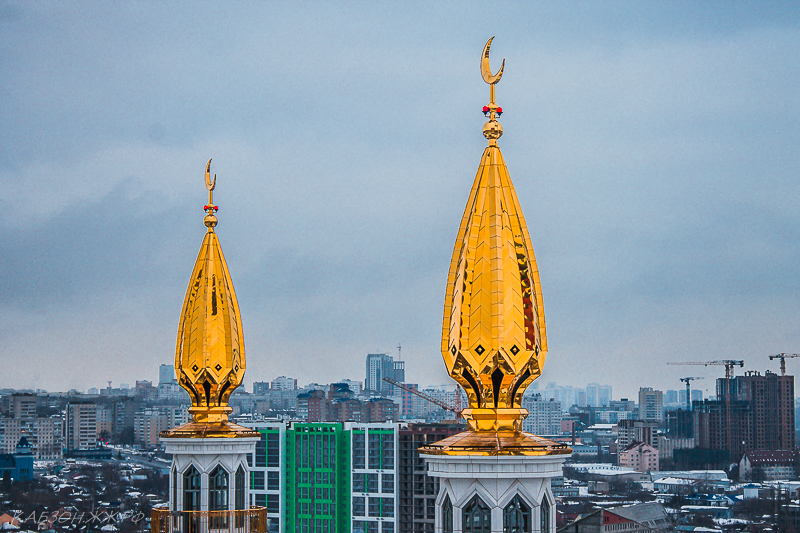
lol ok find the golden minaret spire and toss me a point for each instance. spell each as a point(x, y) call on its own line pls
point(209, 357)
point(493, 334)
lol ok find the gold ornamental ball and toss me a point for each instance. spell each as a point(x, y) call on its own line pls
point(210, 221)
point(492, 130)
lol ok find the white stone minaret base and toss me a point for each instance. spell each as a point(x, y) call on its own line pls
point(495, 480)
point(205, 454)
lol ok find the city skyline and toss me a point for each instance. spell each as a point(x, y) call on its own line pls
point(653, 150)
point(583, 395)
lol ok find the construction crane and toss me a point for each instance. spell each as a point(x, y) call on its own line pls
point(729, 364)
point(726, 388)
point(688, 391)
point(783, 357)
point(456, 409)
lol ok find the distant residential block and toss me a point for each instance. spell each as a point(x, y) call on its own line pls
point(639, 456)
point(544, 416)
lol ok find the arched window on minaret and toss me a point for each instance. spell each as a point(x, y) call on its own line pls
point(545, 515)
point(174, 500)
point(477, 517)
point(239, 496)
point(191, 489)
point(191, 499)
point(447, 515)
point(239, 503)
point(218, 490)
point(517, 517)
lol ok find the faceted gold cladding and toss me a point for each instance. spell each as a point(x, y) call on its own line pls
point(495, 443)
point(209, 358)
point(493, 333)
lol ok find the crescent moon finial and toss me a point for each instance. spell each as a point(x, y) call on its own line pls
point(486, 71)
point(210, 221)
point(210, 184)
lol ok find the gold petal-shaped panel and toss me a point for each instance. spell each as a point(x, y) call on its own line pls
point(209, 357)
point(493, 316)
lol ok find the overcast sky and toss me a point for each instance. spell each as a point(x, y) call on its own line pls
point(653, 146)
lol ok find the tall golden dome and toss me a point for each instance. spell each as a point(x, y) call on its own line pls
point(209, 357)
point(493, 333)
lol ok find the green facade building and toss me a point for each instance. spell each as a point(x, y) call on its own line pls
point(326, 477)
point(317, 496)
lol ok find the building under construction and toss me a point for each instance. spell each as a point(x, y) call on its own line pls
point(751, 412)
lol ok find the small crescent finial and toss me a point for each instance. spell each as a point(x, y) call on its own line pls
point(210, 184)
point(486, 71)
point(492, 130)
point(211, 220)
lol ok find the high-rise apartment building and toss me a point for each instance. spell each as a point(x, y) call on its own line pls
point(409, 402)
point(374, 450)
point(22, 405)
point(598, 395)
point(630, 431)
point(752, 412)
point(320, 477)
point(399, 370)
point(356, 386)
point(145, 391)
point(268, 476)
point(671, 397)
point(592, 390)
point(696, 396)
point(544, 416)
point(623, 404)
point(166, 374)
point(610, 416)
point(283, 383)
point(651, 404)
point(568, 396)
point(105, 419)
point(149, 423)
point(416, 490)
point(172, 392)
point(679, 424)
point(604, 395)
point(261, 388)
point(379, 366)
point(45, 435)
point(80, 426)
point(580, 398)
point(339, 405)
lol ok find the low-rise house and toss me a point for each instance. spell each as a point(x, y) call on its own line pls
point(768, 465)
point(674, 485)
point(710, 480)
point(692, 511)
point(606, 472)
point(639, 456)
point(710, 500)
point(641, 518)
point(585, 450)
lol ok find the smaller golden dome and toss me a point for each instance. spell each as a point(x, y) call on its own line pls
point(209, 357)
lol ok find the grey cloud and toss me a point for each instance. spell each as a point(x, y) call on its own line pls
point(653, 150)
